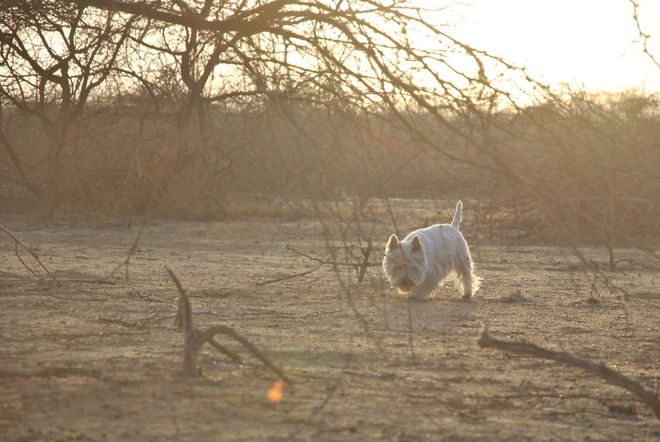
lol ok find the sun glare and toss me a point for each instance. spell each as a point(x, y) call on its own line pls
point(274, 393)
point(589, 44)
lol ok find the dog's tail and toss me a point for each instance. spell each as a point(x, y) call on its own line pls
point(458, 215)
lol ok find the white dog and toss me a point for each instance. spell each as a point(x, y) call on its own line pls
point(426, 257)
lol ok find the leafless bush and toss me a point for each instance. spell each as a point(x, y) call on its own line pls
point(592, 169)
point(263, 99)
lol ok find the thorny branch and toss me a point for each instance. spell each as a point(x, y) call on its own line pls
point(599, 369)
point(644, 36)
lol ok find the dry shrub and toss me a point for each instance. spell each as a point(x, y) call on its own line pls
point(584, 169)
point(595, 168)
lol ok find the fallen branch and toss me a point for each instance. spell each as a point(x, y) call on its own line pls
point(224, 350)
point(297, 275)
point(610, 376)
point(18, 242)
point(53, 371)
point(194, 338)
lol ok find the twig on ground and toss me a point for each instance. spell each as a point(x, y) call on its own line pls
point(356, 265)
point(366, 253)
point(224, 350)
point(18, 242)
point(297, 275)
point(610, 376)
point(53, 372)
point(126, 262)
point(360, 267)
point(194, 338)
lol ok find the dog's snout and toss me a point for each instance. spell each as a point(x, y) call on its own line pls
point(406, 284)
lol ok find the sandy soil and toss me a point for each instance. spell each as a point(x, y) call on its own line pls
point(365, 363)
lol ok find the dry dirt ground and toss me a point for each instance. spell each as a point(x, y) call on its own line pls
point(365, 363)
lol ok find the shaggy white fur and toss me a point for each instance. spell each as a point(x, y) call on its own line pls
point(427, 257)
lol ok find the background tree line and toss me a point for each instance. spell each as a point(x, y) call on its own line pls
point(182, 108)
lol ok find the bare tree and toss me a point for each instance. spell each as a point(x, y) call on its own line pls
point(54, 57)
point(360, 59)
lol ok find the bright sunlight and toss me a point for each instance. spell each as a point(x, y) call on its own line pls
point(590, 44)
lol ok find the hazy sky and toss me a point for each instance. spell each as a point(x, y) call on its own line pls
point(592, 44)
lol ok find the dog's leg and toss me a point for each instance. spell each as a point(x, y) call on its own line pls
point(465, 275)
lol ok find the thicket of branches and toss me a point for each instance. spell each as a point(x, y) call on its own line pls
point(175, 107)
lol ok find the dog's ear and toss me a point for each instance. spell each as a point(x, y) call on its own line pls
point(393, 243)
point(416, 245)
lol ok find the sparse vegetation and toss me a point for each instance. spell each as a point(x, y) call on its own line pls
point(228, 129)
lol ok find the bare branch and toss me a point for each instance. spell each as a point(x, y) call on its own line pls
point(599, 369)
point(361, 267)
point(194, 338)
point(297, 275)
point(126, 262)
point(18, 242)
point(643, 35)
point(246, 22)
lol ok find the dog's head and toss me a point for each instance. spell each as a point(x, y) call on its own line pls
point(404, 263)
